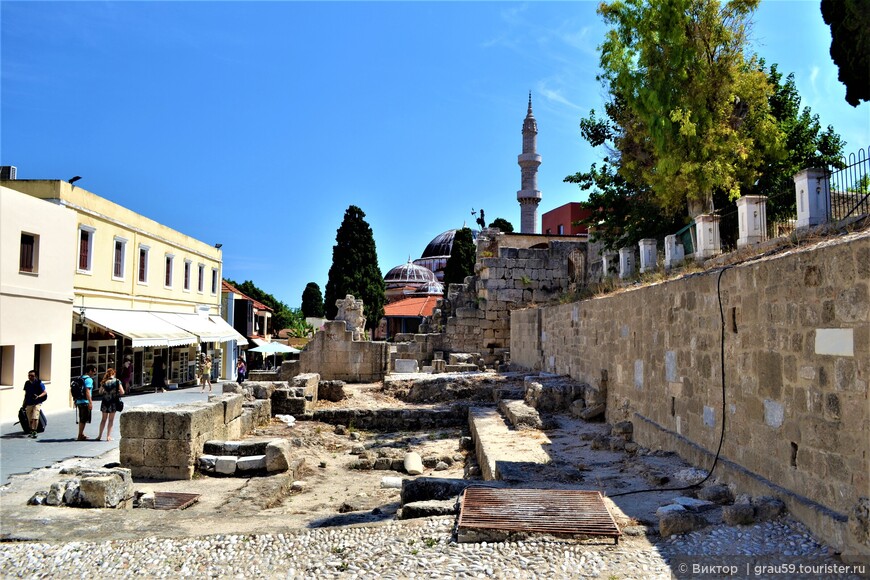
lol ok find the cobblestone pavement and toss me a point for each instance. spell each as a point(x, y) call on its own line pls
point(409, 549)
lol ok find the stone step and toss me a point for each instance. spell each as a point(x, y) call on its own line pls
point(503, 453)
point(461, 368)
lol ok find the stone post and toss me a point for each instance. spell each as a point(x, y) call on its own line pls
point(609, 264)
point(674, 252)
point(647, 255)
point(626, 262)
point(707, 227)
point(752, 220)
point(813, 191)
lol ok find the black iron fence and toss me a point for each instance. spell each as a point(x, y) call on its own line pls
point(850, 187)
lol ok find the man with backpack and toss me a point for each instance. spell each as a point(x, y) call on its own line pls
point(81, 388)
point(34, 395)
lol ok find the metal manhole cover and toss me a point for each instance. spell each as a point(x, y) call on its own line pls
point(170, 500)
point(554, 511)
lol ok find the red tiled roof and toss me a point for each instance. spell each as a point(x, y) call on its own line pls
point(411, 307)
point(227, 287)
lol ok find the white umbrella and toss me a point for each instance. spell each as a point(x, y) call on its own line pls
point(273, 348)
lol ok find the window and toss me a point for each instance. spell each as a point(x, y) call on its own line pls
point(214, 280)
point(29, 257)
point(42, 361)
point(143, 264)
point(7, 365)
point(86, 249)
point(200, 280)
point(561, 230)
point(119, 259)
point(167, 278)
point(187, 265)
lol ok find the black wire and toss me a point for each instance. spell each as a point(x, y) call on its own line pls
point(722, 433)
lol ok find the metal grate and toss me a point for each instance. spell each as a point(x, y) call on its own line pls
point(554, 511)
point(169, 500)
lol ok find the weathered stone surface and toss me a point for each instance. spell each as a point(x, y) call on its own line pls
point(72, 496)
point(107, 491)
point(225, 464)
point(142, 422)
point(738, 514)
point(695, 505)
point(38, 498)
point(666, 509)
point(426, 509)
point(147, 500)
point(623, 428)
point(252, 463)
point(680, 522)
point(405, 365)
point(859, 522)
point(550, 395)
point(601, 442)
point(413, 463)
point(441, 466)
point(718, 493)
point(331, 391)
point(592, 412)
point(383, 463)
point(277, 455)
point(577, 407)
point(55, 493)
point(520, 415)
point(432, 488)
point(767, 508)
point(206, 463)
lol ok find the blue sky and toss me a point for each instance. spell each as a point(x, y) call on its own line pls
point(257, 124)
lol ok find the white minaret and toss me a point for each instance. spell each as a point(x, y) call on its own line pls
point(529, 160)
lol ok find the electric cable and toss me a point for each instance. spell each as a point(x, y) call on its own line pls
point(722, 432)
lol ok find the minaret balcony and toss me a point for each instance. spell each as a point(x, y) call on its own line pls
point(529, 158)
point(530, 194)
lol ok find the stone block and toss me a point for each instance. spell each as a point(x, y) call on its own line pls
point(227, 388)
point(693, 504)
point(592, 412)
point(250, 464)
point(225, 464)
point(738, 514)
point(107, 491)
point(331, 391)
point(427, 509)
point(56, 493)
point(167, 452)
point(231, 405)
point(405, 366)
point(432, 488)
point(206, 463)
point(131, 451)
point(413, 463)
point(277, 455)
point(144, 422)
point(666, 509)
point(767, 508)
point(680, 522)
point(185, 422)
point(718, 493)
point(520, 415)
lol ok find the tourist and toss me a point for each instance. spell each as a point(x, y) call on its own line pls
point(112, 391)
point(85, 405)
point(126, 375)
point(34, 395)
point(241, 369)
point(158, 375)
point(205, 379)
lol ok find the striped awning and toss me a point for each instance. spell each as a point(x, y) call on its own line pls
point(207, 328)
point(142, 328)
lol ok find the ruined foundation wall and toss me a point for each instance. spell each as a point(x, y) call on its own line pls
point(164, 442)
point(796, 363)
point(335, 356)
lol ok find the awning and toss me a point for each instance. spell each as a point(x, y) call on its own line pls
point(142, 328)
point(229, 333)
point(207, 328)
point(259, 341)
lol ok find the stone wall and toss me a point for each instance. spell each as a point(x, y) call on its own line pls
point(335, 356)
point(164, 442)
point(796, 343)
point(478, 312)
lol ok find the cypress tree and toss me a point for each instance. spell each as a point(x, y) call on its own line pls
point(462, 257)
point(355, 268)
point(312, 301)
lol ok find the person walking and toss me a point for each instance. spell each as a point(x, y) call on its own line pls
point(34, 395)
point(205, 379)
point(241, 370)
point(112, 391)
point(85, 405)
point(126, 374)
point(158, 375)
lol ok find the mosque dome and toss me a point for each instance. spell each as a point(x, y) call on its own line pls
point(441, 244)
point(409, 274)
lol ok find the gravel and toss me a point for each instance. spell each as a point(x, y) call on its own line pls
point(416, 549)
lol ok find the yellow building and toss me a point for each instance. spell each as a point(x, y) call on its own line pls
point(36, 298)
point(142, 290)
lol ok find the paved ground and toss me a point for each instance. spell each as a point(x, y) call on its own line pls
point(20, 454)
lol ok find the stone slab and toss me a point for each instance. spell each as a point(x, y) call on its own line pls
point(405, 365)
point(495, 443)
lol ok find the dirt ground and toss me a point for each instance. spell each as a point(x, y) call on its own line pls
point(329, 492)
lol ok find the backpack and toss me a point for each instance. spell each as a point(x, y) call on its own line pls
point(77, 389)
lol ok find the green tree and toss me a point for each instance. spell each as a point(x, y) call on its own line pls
point(312, 301)
point(462, 256)
point(850, 45)
point(696, 117)
point(355, 268)
point(503, 225)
